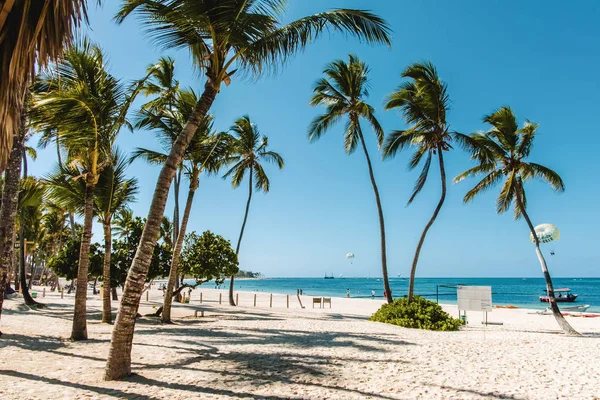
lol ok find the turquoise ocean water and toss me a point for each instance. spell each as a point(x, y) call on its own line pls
point(522, 292)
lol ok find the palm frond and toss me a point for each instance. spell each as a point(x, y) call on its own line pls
point(422, 178)
point(485, 184)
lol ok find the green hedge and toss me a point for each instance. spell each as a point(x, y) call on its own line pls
point(420, 314)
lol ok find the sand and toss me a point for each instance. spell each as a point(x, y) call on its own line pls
point(279, 353)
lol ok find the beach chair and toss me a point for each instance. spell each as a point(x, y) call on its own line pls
point(317, 300)
point(326, 300)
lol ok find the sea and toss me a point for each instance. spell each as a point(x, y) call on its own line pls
point(521, 292)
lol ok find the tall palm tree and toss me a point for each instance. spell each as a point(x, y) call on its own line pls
point(248, 149)
point(343, 92)
point(10, 203)
point(205, 153)
point(31, 33)
point(424, 103)
point(89, 108)
point(502, 152)
point(160, 114)
point(224, 37)
point(113, 192)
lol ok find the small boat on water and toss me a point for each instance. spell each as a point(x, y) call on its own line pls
point(329, 276)
point(562, 295)
point(573, 308)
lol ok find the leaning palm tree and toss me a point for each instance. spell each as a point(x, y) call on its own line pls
point(160, 114)
point(113, 192)
point(248, 149)
point(206, 153)
point(343, 92)
point(31, 33)
point(88, 108)
point(424, 103)
point(224, 37)
point(502, 152)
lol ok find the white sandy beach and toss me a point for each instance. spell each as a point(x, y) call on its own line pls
point(280, 353)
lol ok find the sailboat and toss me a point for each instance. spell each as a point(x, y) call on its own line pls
point(329, 276)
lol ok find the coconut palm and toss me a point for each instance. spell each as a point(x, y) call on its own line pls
point(424, 103)
point(248, 149)
point(88, 108)
point(10, 203)
point(502, 153)
point(31, 33)
point(205, 153)
point(343, 92)
point(224, 37)
point(159, 114)
point(113, 192)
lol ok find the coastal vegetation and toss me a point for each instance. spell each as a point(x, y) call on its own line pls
point(78, 106)
point(416, 313)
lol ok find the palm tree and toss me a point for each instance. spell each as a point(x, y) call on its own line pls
point(113, 192)
point(343, 92)
point(89, 108)
point(10, 203)
point(160, 115)
point(205, 153)
point(424, 103)
point(224, 37)
point(248, 149)
point(502, 152)
point(32, 32)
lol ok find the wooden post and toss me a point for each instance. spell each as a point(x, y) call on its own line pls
point(62, 293)
point(237, 299)
point(200, 297)
point(288, 300)
point(44, 292)
point(271, 301)
point(220, 295)
point(254, 299)
point(148, 295)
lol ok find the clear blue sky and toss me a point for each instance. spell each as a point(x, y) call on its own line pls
point(539, 57)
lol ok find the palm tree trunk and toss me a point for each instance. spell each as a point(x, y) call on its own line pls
point(106, 308)
point(79, 331)
point(562, 322)
point(237, 249)
point(413, 270)
point(386, 282)
point(176, 183)
point(166, 312)
point(8, 212)
point(118, 364)
point(72, 223)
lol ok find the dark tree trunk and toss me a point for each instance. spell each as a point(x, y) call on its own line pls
point(118, 364)
point(8, 212)
point(413, 270)
point(384, 271)
point(22, 251)
point(562, 322)
point(166, 312)
point(79, 331)
point(237, 248)
point(106, 307)
point(176, 185)
point(115, 297)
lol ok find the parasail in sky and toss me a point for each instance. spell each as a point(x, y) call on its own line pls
point(350, 256)
point(545, 233)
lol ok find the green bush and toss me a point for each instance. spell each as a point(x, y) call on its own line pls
point(420, 314)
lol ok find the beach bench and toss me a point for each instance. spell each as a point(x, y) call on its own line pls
point(317, 300)
point(196, 312)
point(326, 300)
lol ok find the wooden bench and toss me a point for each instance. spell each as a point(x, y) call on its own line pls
point(326, 300)
point(317, 300)
point(198, 311)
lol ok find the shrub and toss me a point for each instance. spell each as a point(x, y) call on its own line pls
point(420, 314)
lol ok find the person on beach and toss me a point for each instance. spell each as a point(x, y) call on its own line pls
point(372, 294)
point(347, 292)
